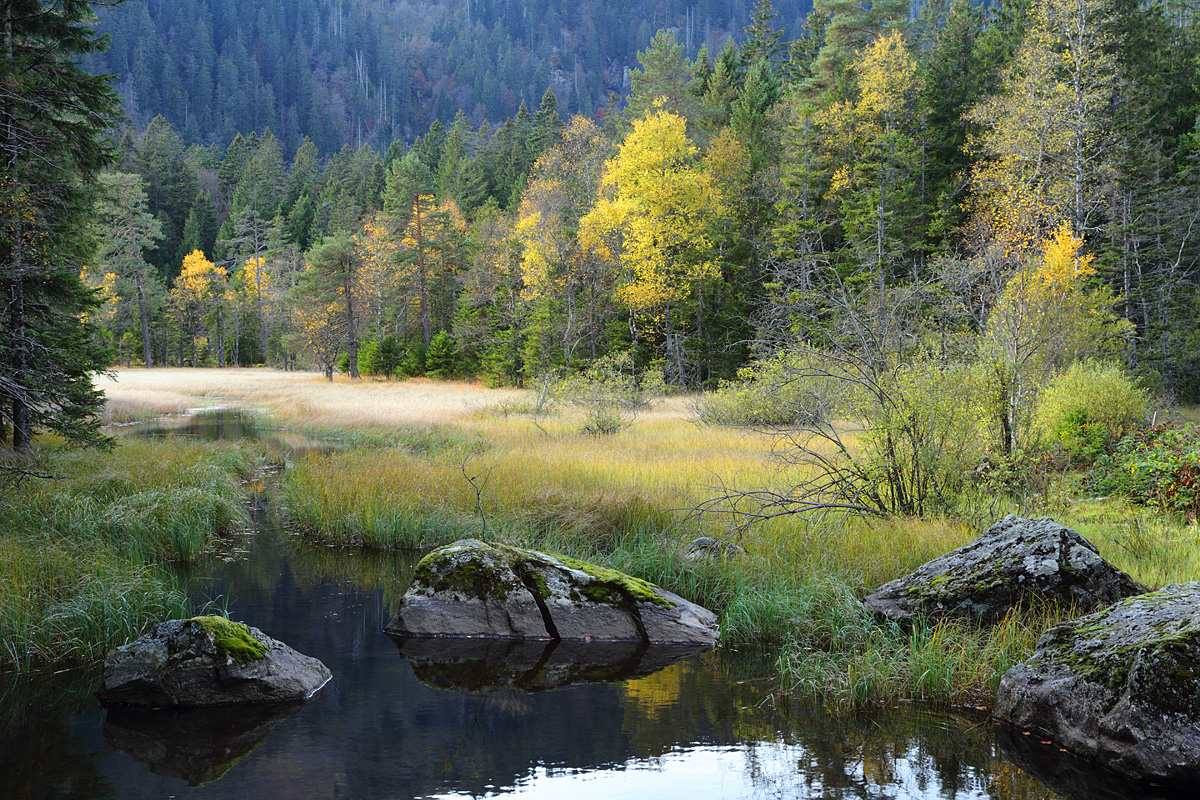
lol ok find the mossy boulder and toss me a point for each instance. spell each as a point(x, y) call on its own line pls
point(1120, 687)
point(207, 661)
point(471, 588)
point(1015, 561)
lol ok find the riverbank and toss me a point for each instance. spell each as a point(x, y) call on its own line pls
point(442, 461)
point(86, 557)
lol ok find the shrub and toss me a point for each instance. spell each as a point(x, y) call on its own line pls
point(1105, 395)
point(1158, 467)
point(609, 392)
point(767, 394)
point(370, 361)
point(413, 364)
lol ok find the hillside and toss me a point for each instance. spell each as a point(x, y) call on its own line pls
point(369, 71)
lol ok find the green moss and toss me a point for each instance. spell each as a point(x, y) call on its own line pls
point(232, 638)
point(477, 577)
point(613, 584)
point(472, 577)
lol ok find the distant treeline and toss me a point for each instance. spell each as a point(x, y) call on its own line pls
point(367, 72)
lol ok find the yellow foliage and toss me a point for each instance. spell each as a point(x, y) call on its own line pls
point(655, 214)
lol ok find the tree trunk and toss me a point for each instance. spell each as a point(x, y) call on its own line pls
point(137, 280)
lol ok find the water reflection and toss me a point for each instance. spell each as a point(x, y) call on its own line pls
point(1073, 777)
point(486, 665)
point(702, 728)
point(195, 745)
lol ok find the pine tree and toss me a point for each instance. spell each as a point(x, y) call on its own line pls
point(126, 228)
point(762, 40)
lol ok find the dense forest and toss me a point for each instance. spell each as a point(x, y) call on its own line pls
point(1013, 189)
point(366, 72)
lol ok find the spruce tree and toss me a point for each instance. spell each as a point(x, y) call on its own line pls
point(51, 152)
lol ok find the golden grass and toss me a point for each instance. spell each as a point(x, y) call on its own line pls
point(543, 483)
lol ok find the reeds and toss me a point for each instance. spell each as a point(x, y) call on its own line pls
point(438, 465)
point(83, 561)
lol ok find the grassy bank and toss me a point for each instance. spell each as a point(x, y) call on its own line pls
point(440, 466)
point(83, 559)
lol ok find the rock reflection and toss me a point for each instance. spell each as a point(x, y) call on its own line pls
point(194, 745)
point(483, 665)
point(1073, 777)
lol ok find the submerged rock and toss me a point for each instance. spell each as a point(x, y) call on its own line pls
point(485, 665)
point(1014, 561)
point(207, 661)
point(1120, 687)
point(471, 588)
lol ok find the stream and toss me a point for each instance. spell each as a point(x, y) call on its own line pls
point(422, 724)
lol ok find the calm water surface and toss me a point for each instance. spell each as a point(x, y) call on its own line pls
point(393, 727)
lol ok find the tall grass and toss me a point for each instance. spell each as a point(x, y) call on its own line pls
point(83, 560)
point(793, 596)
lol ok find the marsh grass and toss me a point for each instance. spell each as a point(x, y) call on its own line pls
point(83, 561)
point(792, 598)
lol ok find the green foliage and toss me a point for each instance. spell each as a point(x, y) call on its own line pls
point(1157, 467)
point(413, 364)
point(609, 392)
point(370, 358)
point(765, 395)
point(1103, 392)
point(442, 361)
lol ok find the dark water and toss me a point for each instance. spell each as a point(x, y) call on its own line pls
point(702, 728)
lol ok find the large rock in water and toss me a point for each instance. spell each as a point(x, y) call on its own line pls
point(1120, 687)
point(1015, 560)
point(471, 588)
point(207, 661)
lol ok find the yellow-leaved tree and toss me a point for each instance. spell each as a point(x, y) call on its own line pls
point(566, 286)
point(653, 220)
point(1047, 142)
point(1047, 318)
point(379, 268)
point(198, 295)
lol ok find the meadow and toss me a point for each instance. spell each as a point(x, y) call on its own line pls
point(434, 462)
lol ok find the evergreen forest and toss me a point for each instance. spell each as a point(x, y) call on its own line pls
point(1007, 190)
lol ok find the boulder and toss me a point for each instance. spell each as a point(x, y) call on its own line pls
point(207, 661)
point(1016, 560)
point(706, 547)
point(471, 588)
point(1120, 687)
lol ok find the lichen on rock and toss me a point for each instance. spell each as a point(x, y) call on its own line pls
point(1014, 561)
point(1120, 687)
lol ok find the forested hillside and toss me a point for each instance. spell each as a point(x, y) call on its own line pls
point(369, 71)
point(983, 198)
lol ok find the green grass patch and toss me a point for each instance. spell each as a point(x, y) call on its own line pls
point(85, 561)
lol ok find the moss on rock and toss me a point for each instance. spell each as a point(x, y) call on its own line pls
point(232, 638)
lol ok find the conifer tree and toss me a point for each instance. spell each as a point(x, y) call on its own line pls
point(51, 151)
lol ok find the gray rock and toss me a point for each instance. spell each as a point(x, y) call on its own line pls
point(1120, 687)
point(705, 547)
point(472, 589)
point(1016, 560)
point(181, 663)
